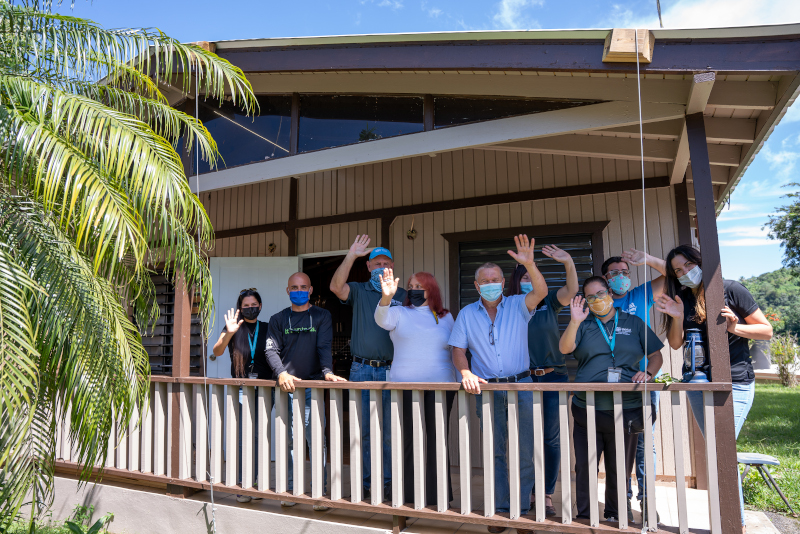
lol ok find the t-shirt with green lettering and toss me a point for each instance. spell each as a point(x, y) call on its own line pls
point(543, 335)
point(594, 357)
point(367, 339)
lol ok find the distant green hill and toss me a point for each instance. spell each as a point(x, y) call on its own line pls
point(778, 292)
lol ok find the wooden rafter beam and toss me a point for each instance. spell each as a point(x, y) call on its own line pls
point(699, 93)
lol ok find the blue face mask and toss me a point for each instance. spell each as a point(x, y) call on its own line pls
point(620, 284)
point(375, 278)
point(526, 287)
point(298, 297)
point(492, 292)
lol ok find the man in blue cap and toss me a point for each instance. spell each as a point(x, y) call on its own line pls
point(370, 344)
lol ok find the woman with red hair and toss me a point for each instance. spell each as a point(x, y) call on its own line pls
point(420, 330)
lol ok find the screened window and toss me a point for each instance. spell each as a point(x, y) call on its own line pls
point(242, 139)
point(449, 111)
point(332, 120)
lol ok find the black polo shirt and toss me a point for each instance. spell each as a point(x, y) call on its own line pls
point(543, 335)
point(367, 339)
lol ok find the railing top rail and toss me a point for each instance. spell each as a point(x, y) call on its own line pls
point(454, 386)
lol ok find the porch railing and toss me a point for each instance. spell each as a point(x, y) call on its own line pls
point(147, 446)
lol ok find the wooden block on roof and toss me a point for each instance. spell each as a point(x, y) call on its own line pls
point(620, 46)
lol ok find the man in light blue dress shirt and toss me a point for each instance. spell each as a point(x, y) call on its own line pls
point(495, 330)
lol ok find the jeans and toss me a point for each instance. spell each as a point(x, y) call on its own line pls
point(552, 442)
point(743, 395)
point(365, 373)
point(501, 484)
point(255, 440)
point(633, 423)
point(642, 490)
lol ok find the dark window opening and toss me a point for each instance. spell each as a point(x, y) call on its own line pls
point(245, 139)
point(331, 120)
point(450, 111)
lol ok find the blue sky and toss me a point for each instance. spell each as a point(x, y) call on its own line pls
point(746, 251)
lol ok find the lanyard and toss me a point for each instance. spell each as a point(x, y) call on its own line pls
point(435, 316)
point(613, 340)
point(252, 340)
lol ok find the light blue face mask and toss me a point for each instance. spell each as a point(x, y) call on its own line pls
point(526, 287)
point(375, 278)
point(492, 292)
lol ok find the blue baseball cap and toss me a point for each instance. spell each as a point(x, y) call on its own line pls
point(380, 251)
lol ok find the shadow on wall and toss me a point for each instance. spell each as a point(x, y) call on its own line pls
point(759, 352)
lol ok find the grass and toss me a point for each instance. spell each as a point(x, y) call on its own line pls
point(773, 427)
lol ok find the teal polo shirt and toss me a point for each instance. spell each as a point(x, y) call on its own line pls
point(368, 340)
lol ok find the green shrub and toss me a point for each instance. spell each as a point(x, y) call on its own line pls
point(783, 353)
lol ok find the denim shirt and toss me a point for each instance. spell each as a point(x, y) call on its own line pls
point(508, 355)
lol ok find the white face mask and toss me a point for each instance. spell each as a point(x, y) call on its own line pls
point(693, 278)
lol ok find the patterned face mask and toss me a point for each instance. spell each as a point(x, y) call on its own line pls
point(620, 284)
point(375, 278)
point(601, 307)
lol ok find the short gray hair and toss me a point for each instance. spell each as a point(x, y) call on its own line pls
point(488, 265)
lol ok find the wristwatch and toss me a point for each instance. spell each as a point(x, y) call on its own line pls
point(212, 357)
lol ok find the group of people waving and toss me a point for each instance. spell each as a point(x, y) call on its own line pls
point(510, 335)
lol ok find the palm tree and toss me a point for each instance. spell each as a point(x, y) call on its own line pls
point(92, 195)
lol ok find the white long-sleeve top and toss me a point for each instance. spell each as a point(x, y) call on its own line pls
point(421, 350)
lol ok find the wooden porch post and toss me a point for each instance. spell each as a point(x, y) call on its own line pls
point(682, 213)
point(727, 467)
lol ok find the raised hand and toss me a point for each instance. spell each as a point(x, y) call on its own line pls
point(555, 253)
point(672, 307)
point(359, 246)
point(634, 257)
point(524, 253)
point(578, 310)
point(389, 283)
point(232, 321)
point(731, 319)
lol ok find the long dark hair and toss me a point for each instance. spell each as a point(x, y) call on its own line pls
point(673, 286)
point(241, 341)
point(515, 286)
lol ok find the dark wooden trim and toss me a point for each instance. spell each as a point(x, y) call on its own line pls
point(717, 329)
point(471, 202)
point(595, 229)
point(427, 111)
point(386, 231)
point(181, 329)
point(292, 233)
point(682, 215)
point(745, 54)
point(294, 129)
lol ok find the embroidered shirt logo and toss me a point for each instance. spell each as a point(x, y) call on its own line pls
point(543, 307)
point(395, 303)
point(623, 331)
point(270, 343)
point(632, 308)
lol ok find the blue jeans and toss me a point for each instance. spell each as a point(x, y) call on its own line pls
point(365, 373)
point(501, 486)
point(552, 442)
point(743, 395)
point(654, 400)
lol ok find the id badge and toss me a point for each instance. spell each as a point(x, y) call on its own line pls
point(614, 374)
point(252, 376)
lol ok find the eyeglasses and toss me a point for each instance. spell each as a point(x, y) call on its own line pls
point(688, 266)
point(600, 295)
point(491, 335)
point(624, 272)
point(243, 291)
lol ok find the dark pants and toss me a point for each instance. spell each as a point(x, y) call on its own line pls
point(633, 424)
point(429, 427)
point(552, 430)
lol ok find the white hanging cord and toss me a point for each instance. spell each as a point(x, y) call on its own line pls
point(648, 417)
point(202, 326)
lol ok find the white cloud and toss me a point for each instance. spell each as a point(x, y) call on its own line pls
point(394, 4)
point(783, 161)
point(724, 217)
point(792, 114)
point(512, 14)
point(710, 13)
point(745, 231)
point(431, 11)
point(746, 242)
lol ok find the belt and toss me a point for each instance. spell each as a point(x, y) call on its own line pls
point(372, 363)
point(542, 371)
point(515, 378)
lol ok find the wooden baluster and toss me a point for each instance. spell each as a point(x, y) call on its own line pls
point(649, 474)
point(337, 437)
point(159, 429)
point(487, 405)
point(201, 436)
point(134, 436)
point(376, 445)
point(464, 456)
point(619, 449)
point(147, 432)
point(122, 443)
point(514, 508)
point(538, 454)
point(591, 431)
point(711, 463)
point(231, 434)
point(112, 440)
point(299, 440)
point(264, 426)
point(418, 440)
point(356, 458)
point(248, 413)
point(317, 439)
point(396, 414)
point(217, 411)
point(281, 441)
point(680, 476)
point(442, 469)
point(566, 468)
point(59, 429)
point(184, 431)
point(66, 447)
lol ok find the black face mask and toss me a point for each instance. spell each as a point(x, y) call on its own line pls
point(250, 313)
point(416, 297)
